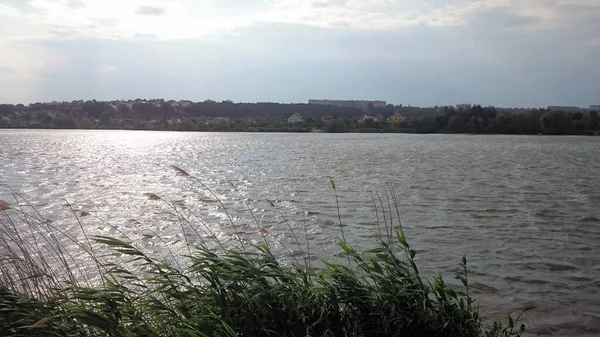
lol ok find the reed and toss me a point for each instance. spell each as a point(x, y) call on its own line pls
point(242, 290)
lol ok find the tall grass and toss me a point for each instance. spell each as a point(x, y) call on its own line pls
point(235, 290)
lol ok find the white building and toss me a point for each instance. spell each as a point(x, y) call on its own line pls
point(564, 108)
point(361, 104)
point(185, 104)
point(463, 106)
point(173, 120)
point(295, 119)
point(366, 118)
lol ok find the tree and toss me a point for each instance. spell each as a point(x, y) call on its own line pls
point(555, 123)
point(337, 126)
point(7, 109)
point(383, 124)
point(577, 127)
point(529, 123)
point(124, 111)
point(593, 120)
point(456, 124)
point(105, 119)
point(576, 116)
point(489, 112)
point(507, 123)
point(187, 125)
point(319, 123)
point(64, 122)
point(4, 122)
point(370, 123)
point(424, 124)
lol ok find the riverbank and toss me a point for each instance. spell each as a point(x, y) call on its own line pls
point(306, 130)
point(269, 117)
point(226, 288)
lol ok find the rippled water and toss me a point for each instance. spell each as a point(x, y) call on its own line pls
point(524, 210)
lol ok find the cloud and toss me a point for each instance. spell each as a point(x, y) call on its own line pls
point(515, 41)
point(186, 19)
point(107, 69)
point(74, 4)
point(24, 65)
point(151, 11)
point(424, 67)
point(594, 42)
point(8, 11)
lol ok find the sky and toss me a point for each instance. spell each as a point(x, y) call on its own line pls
point(510, 53)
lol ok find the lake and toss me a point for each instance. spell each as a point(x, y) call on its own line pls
point(525, 210)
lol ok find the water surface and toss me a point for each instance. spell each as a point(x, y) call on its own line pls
point(524, 210)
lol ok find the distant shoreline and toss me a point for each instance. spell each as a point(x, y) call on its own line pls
point(304, 131)
point(226, 116)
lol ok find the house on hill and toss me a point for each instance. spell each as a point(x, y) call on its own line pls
point(396, 118)
point(173, 120)
point(367, 117)
point(296, 118)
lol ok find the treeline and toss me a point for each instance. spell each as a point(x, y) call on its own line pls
point(159, 108)
point(264, 117)
point(488, 120)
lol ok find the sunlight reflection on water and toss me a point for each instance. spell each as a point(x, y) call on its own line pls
point(524, 210)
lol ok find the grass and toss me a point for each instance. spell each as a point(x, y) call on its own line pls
point(238, 289)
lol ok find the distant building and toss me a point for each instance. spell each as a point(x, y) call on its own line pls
point(564, 108)
point(367, 117)
point(396, 118)
point(173, 120)
point(295, 119)
point(360, 104)
point(185, 104)
point(463, 107)
point(595, 107)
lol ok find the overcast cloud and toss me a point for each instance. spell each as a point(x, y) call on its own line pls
point(500, 52)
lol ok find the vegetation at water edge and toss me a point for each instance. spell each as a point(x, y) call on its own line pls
point(142, 114)
point(237, 290)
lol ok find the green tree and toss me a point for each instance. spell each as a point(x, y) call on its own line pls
point(4, 122)
point(456, 124)
point(337, 126)
point(555, 123)
point(64, 122)
point(7, 109)
point(489, 112)
point(529, 122)
point(507, 123)
point(105, 119)
point(319, 123)
point(383, 124)
point(593, 120)
point(426, 124)
point(577, 127)
point(187, 125)
point(442, 120)
point(370, 124)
